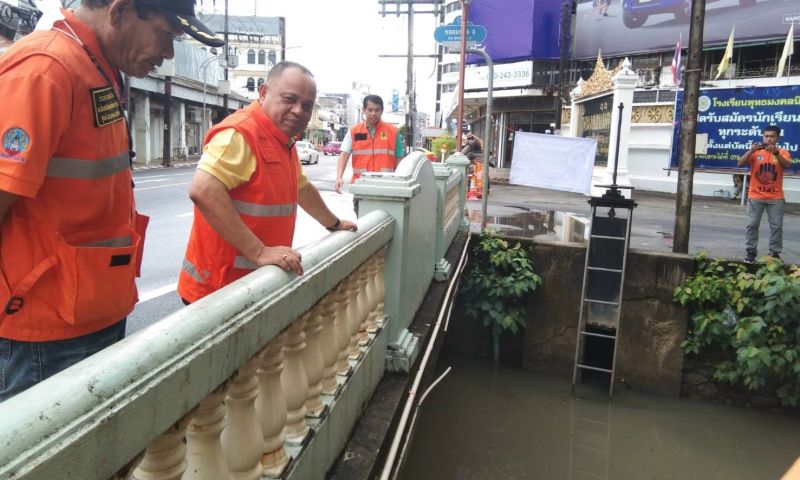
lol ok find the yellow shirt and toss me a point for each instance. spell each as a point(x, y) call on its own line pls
point(229, 158)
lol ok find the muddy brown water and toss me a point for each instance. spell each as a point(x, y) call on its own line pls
point(493, 423)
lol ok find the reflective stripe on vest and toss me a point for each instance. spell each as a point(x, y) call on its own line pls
point(84, 169)
point(372, 151)
point(243, 263)
point(361, 171)
point(123, 241)
point(191, 270)
point(257, 210)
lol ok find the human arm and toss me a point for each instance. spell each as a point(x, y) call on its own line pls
point(340, 167)
point(228, 162)
point(311, 201)
point(211, 197)
point(785, 161)
point(745, 158)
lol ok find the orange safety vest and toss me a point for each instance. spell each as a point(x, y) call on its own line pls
point(69, 255)
point(766, 175)
point(267, 204)
point(373, 154)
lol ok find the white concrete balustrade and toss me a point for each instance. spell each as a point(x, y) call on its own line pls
point(244, 383)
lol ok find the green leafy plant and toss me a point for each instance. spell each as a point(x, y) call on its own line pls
point(753, 316)
point(497, 285)
point(447, 142)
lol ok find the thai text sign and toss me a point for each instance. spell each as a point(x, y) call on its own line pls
point(734, 118)
point(596, 123)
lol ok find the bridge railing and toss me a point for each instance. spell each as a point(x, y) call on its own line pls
point(264, 377)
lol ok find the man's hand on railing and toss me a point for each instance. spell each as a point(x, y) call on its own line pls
point(287, 258)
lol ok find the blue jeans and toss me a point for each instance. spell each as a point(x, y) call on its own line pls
point(755, 209)
point(24, 364)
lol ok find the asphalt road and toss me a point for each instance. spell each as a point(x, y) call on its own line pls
point(163, 195)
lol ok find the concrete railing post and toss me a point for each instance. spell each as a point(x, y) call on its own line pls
point(460, 163)
point(409, 195)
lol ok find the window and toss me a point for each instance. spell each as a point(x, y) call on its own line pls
point(251, 84)
point(262, 57)
point(251, 56)
point(272, 57)
point(260, 81)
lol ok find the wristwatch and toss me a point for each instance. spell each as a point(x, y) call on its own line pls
point(335, 226)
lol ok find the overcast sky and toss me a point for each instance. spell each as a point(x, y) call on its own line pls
point(340, 42)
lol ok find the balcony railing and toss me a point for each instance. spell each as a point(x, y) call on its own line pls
point(265, 377)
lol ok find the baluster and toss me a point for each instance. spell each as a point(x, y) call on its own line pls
point(353, 316)
point(205, 458)
point(363, 300)
point(312, 359)
point(372, 288)
point(342, 329)
point(327, 341)
point(242, 440)
point(381, 317)
point(295, 382)
point(165, 457)
point(271, 407)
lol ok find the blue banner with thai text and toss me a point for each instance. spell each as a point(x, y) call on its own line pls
point(734, 118)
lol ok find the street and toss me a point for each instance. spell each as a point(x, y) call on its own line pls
point(162, 194)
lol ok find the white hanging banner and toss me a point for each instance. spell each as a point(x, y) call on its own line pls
point(549, 161)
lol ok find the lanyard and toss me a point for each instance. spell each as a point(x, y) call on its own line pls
point(113, 85)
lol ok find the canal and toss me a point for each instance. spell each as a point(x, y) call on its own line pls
point(494, 423)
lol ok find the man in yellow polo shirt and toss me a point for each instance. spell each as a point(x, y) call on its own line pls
point(248, 185)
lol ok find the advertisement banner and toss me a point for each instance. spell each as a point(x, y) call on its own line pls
point(734, 118)
point(517, 29)
point(517, 74)
point(617, 27)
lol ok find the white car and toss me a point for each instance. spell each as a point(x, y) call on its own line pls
point(306, 152)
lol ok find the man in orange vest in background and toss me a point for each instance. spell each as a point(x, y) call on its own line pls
point(374, 145)
point(248, 185)
point(70, 238)
point(767, 162)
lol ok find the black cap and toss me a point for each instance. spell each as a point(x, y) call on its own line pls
point(182, 13)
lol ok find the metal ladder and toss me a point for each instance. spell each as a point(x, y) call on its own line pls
point(589, 439)
point(603, 281)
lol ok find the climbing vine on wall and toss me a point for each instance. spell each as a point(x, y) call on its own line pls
point(753, 315)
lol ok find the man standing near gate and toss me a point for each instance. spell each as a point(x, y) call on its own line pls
point(767, 162)
point(375, 145)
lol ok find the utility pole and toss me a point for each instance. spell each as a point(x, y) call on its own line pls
point(410, 106)
point(167, 153)
point(439, 68)
point(227, 62)
point(463, 55)
point(691, 90)
point(565, 37)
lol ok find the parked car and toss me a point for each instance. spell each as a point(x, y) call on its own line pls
point(307, 152)
point(636, 12)
point(432, 156)
point(332, 148)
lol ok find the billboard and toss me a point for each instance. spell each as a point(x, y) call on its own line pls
point(517, 29)
point(734, 118)
point(634, 26)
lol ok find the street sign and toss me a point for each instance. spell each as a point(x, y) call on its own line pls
point(449, 35)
